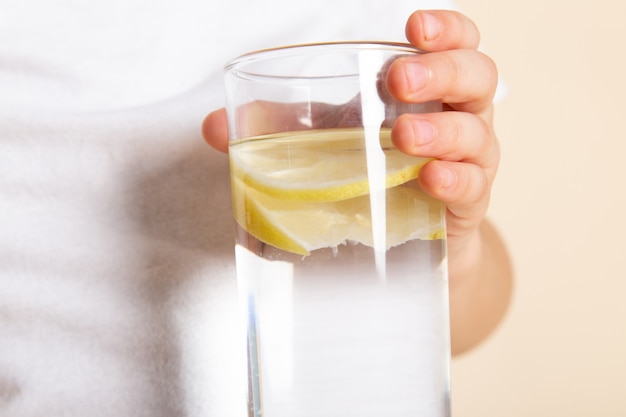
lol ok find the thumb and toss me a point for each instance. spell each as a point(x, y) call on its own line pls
point(215, 130)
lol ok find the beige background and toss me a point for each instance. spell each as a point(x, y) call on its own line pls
point(560, 201)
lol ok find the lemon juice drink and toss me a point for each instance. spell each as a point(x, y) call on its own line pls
point(341, 258)
point(330, 332)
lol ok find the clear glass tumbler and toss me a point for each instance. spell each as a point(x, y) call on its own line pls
point(341, 258)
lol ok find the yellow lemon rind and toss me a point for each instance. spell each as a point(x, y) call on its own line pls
point(343, 191)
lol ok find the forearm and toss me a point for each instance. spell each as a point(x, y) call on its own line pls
point(481, 282)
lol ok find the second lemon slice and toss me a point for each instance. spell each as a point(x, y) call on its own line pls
point(301, 227)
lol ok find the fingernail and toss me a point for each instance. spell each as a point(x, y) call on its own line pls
point(416, 76)
point(423, 133)
point(448, 177)
point(431, 26)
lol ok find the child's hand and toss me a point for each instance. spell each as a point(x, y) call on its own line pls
point(466, 152)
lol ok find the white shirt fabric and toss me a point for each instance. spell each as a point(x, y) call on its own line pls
point(117, 288)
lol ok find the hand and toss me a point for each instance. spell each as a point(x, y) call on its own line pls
point(466, 152)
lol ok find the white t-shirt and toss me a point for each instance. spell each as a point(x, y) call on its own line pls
point(117, 288)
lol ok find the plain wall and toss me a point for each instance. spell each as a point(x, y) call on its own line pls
point(560, 202)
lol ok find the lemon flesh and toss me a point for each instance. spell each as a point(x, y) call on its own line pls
point(311, 192)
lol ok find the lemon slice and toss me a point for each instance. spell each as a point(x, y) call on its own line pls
point(301, 227)
point(319, 165)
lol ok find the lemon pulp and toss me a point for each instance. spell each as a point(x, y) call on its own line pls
point(308, 190)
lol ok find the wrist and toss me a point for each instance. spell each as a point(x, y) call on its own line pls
point(480, 285)
point(465, 253)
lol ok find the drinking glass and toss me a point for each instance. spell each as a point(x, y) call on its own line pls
point(341, 258)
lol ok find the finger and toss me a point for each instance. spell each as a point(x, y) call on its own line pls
point(439, 30)
point(463, 187)
point(463, 78)
point(215, 130)
point(448, 136)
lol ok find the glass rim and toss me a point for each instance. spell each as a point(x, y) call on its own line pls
point(304, 48)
